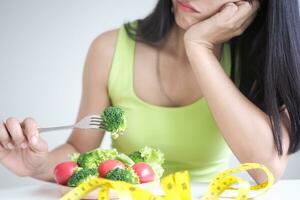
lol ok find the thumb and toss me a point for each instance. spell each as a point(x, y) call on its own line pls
point(35, 142)
point(39, 145)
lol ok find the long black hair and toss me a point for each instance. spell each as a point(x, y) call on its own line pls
point(265, 59)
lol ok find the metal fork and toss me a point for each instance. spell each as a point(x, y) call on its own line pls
point(88, 122)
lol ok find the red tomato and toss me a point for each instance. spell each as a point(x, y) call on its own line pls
point(144, 172)
point(108, 165)
point(63, 171)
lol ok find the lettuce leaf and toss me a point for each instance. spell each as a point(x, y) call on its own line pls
point(155, 158)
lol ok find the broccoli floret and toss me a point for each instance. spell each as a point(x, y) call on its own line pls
point(81, 175)
point(88, 160)
point(113, 120)
point(127, 175)
point(136, 156)
point(93, 158)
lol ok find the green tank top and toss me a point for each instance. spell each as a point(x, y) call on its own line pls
point(188, 135)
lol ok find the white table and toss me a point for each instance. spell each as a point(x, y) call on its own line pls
point(283, 190)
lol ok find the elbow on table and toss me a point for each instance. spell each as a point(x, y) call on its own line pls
point(277, 168)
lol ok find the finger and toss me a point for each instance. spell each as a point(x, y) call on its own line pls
point(249, 20)
point(245, 25)
point(4, 137)
point(223, 18)
point(30, 129)
point(227, 12)
point(40, 147)
point(245, 11)
point(16, 133)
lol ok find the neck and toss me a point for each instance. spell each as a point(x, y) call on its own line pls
point(174, 43)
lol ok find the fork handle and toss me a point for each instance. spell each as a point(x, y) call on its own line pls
point(41, 130)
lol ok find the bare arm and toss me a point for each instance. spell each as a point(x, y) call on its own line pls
point(93, 101)
point(245, 127)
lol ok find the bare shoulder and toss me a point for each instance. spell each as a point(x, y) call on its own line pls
point(106, 42)
point(100, 55)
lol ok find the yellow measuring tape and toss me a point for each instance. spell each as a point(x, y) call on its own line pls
point(177, 186)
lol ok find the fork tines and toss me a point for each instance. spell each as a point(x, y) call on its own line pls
point(95, 121)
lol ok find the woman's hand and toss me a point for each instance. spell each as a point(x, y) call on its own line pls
point(231, 21)
point(22, 151)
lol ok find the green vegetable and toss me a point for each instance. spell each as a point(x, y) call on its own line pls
point(136, 156)
point(126, 160)
point(127, 175)
point(153, 157)
point(81, 175)
point(92, 159)
point(113, 120)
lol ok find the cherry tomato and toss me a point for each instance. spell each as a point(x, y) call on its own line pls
point(144, 172)
point(108, 165)
point(63, 171)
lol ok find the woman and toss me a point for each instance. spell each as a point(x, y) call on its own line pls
point(196, 78)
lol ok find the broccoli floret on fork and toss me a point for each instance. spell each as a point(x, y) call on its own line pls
point(113, 120)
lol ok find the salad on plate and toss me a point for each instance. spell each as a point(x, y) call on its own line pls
point(142, 166)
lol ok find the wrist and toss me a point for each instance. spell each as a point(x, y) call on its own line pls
point(196, 50)
point(203, 47)
point(44, 171)
point(192, 42)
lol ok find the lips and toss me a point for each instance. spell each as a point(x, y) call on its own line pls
point(187, 6)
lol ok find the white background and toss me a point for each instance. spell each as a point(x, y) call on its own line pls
point(43, 45)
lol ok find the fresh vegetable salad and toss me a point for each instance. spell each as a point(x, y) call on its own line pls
point(142, 166)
